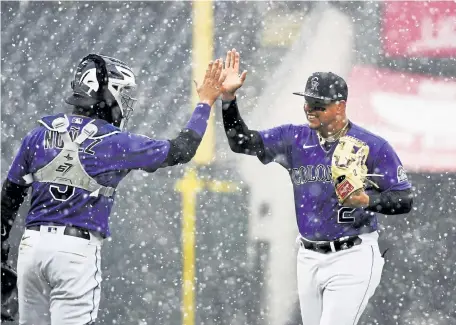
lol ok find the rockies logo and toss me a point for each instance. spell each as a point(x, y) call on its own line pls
point(314, 84)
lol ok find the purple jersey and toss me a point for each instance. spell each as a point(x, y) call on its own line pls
point(318, 212)
point(107, 157)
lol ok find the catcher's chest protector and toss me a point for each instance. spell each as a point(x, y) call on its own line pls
point(66, 168)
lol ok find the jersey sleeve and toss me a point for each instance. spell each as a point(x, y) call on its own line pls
point(21, 163)
point(135, 151)
point(388, 164)
point(277, 144)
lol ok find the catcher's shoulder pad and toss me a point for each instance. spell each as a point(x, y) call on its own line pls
point(46, 121)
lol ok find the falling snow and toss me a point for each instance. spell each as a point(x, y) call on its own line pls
point(245, 248)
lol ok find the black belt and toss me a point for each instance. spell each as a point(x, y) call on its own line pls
point(69, 231)
point(325, 246)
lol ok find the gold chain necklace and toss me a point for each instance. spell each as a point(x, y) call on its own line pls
point(332, 138)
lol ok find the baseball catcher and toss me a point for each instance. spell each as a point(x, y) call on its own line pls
point(73, 164)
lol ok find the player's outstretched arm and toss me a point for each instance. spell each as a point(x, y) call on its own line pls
point(240, 138)
point(183, 147)
point(149, 154)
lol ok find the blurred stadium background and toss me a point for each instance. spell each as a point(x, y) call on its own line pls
point(399, 61)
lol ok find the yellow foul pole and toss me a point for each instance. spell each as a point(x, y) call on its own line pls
point(202, 53)
point(189, 186)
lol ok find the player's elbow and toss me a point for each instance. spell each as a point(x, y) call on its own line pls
point(234, 146)
point(187, 155)
point(407, 203)
point(182, 156)
point(240, 145)
point(392, 202)
point(404, 205)
point(183, 148)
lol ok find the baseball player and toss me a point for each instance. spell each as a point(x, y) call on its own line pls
point(73, 163)
point(343, 176)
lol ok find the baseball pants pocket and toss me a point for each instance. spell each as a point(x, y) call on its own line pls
point(76, 280)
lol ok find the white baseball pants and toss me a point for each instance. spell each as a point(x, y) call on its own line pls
point(59, 278)
point(334, 288)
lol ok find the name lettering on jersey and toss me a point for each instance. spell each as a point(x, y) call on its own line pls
point(310, 173)
point(52, 139)
point(89, 148)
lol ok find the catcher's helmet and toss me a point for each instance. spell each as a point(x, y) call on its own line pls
point(9, 293)
point(104, 86)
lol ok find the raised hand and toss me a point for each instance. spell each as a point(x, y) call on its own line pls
point(211, 87)
point(233, 80)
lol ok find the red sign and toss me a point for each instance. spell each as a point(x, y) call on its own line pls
point(419, 29)
point(416, 114)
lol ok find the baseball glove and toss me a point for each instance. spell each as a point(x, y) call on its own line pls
point(9, 293)
point(348, 167)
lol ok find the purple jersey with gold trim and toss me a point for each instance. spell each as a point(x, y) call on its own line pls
point(107, 157)
point(318, 212)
